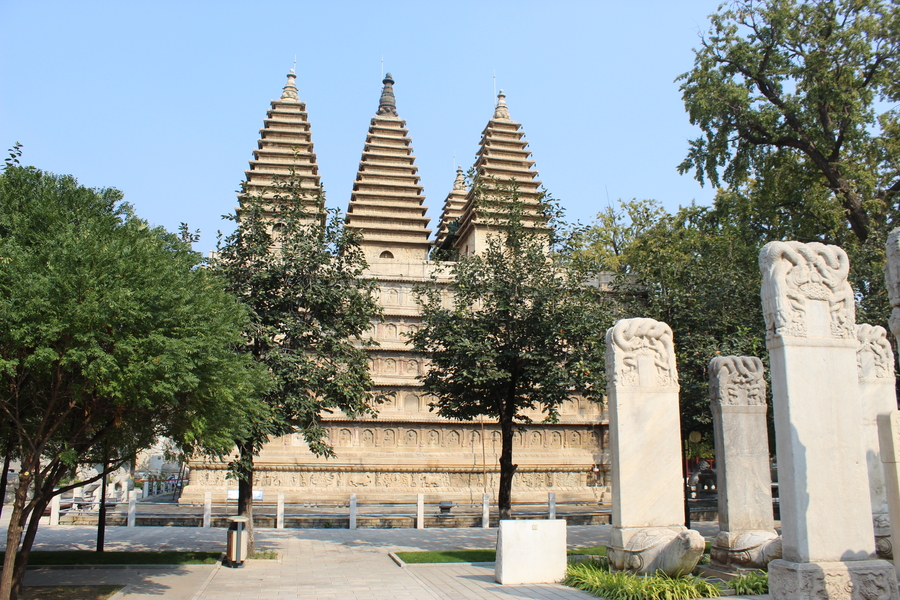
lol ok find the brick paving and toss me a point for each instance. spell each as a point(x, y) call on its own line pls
point(326, 564)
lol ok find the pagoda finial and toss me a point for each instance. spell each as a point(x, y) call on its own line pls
point(501, 112)
point(290, 88)
point(388, 105)
point(460, 183)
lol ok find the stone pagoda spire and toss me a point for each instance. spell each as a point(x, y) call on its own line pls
point(502, 161)
point(386, 204)
point(285, 141)
point(453, 209)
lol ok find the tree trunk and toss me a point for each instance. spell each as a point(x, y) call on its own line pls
point(4, 477)
point(507, 468)
point(13, 536)
point(101, 513)
point(245, 494)
point(41, 501)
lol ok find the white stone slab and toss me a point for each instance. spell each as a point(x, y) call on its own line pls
point(889, 436)
point(531, 551)
point(747, 537)
point(878, 396)
point(644, 427)
point(811, 336)
point(826, 517)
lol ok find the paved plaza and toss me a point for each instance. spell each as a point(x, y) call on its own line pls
point(327, 564)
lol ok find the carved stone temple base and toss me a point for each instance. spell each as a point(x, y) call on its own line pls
point(672, 550)
point(853, 580)
point(745, 549)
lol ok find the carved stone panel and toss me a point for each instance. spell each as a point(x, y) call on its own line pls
point(874, 356)
point(737, 381)
point(805, 292)
point(640, 353)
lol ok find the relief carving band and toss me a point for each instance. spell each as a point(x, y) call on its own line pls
point(874, 356)
point(737, 381)
point(640, 353)
point(805, 292)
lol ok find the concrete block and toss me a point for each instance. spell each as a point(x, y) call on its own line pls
point(532, 551)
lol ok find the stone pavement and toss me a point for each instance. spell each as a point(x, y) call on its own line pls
point(327, 564)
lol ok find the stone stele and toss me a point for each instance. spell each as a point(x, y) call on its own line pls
point(828, 539)
point(889, 437)
point(531, 551)
point(747, 538)
point(878, 395)
point(648, 532)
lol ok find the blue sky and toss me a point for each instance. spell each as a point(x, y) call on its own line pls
point(164, 100)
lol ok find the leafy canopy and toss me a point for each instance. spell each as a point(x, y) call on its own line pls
point(793, 94)
point(513, 330)
point(299, 273)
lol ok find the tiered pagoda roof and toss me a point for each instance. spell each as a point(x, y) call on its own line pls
point(502, 163)
point(453, 208)
point(387, 204)
point(285, 142)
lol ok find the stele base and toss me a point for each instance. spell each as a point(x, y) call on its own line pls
point(852, 580)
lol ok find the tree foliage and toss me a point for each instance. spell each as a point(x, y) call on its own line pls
point(299, 273)
point(110, 337)
point(519, 331)
point(787, 92)
point(695, 270)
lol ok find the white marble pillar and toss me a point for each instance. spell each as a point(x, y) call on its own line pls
point(827, 536)
point(645, 449)
point(279, 512)
point(132, 508)
point(747, 537)
point(352, 511)
point(54, 510)
point(420, 511)
point(878, 395)
point(207, 510)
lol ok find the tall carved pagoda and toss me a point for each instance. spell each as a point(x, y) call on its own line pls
point(408, 449)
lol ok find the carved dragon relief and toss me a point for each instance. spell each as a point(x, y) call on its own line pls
point(640, 353)
point(736, 381)
point(795, 275)
point(874, 356)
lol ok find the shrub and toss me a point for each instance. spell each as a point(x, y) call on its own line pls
point(751, 583)
point(622, 585)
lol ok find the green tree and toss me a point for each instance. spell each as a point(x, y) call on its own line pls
point(299, 272)
point(110, 336)
point(522, 331)
point(792, 94)
point(695, 270)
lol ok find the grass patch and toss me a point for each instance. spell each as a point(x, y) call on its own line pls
point(448, 556)
point(69, 592)
point(264, 555)
point(89, 557)
point(753, 583)
point(621, 585)
point(590, 550)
